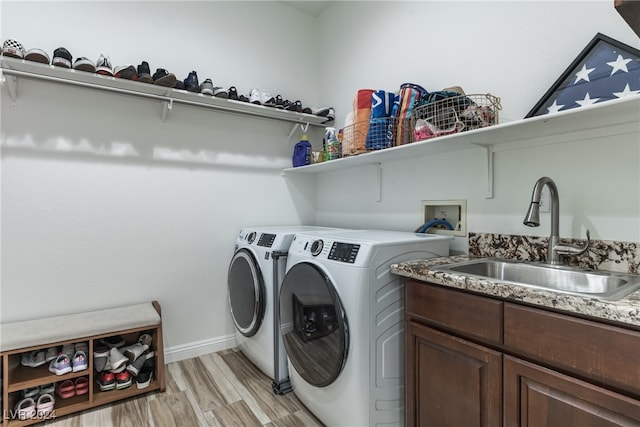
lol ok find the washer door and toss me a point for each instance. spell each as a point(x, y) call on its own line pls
point(313, 324)
point(246, 292)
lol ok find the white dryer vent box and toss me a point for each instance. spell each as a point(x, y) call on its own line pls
point(453, 211)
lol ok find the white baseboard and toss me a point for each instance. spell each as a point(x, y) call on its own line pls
point(198, 348)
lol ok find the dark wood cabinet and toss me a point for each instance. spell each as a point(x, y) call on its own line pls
point(540, 369)
point(536, 396)
point(462, 385)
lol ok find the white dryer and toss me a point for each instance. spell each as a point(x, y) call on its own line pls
point(253, 281)
point(341, 317)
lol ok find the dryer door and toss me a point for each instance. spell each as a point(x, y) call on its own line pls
point(313, 324)
point(246, 292)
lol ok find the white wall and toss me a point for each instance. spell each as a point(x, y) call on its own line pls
point(103, 204)
point(513, 49)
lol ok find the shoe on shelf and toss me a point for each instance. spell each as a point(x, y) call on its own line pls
point(69, 350)
point(233, 93)
point(144, 73)
point(220, 92)
point(116, 360)
point(12, 48)
point(127, 72)
point(65, 389)
point(163, 78)
point(306, 110)
point(33, 359)
point(25, 409)
point(62, 58)
point(243, 98)
point(145, 339)
point(206, 88)
point(103, 66)
point(52, 353)
point(144, 378)
point(114, 341)
point(60, 365)
point(37, 55)
point(47, 388)
point(179, 85)
point(123, 380)
point(31, 392)
point(254, 96)
point(133, 351)
point(296, 106)
point(44, 405)
point(100, 358)
point(84, 64)
point(81, 385)
point(79, 361)
point(107, 381)
point(135, 367)
point(279, 102)
point(271, 102)
point(191, 82)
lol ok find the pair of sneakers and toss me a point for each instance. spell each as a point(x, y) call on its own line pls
point(63, 364)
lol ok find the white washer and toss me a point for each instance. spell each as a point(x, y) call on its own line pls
point(255, 274)
point(341, 316)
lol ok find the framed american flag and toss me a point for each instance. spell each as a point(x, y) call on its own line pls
point(606, 69)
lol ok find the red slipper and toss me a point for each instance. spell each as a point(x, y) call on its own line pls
point(82, 385)
point(66, 389)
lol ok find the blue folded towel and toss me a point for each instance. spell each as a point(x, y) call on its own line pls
point(381, 104)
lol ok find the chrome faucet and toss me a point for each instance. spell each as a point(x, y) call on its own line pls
point(532, 219)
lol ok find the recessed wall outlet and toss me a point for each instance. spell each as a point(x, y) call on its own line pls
point(452, 211)
point(544, 199)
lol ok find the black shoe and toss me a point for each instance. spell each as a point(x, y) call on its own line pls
point(144, 73)
point(233, 93)
point(191, 82)
point(62, 58)
point(179, 85)
point(162, 78)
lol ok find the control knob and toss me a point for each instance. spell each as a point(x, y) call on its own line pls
point(251, 237)
point(316, 247)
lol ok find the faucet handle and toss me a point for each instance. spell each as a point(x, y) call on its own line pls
point(570, 250)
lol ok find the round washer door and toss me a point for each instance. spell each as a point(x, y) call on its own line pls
point(246, 293)
point(313, 324)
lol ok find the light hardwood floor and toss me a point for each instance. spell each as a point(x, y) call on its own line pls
point(219, 389)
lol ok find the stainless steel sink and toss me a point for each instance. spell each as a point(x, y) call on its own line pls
point(597, 284)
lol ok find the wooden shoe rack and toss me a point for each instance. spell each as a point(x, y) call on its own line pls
point(130, 323)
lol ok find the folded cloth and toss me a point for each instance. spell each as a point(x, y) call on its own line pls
point(361, 116)
point(381, 103)
point(399, 131)
point(377, 135)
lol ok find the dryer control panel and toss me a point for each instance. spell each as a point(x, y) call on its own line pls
point(344, 252)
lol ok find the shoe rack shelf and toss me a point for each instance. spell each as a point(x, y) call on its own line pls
point(16, 378)
point(11, 70)
point(598, 120)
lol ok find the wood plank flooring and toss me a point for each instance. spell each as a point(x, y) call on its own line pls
point(220, 389)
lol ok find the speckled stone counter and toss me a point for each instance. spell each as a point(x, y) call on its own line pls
point(626, 310)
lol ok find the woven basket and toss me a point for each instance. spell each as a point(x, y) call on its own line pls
point(375, 134)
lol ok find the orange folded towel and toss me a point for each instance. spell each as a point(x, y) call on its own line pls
point(361, 116)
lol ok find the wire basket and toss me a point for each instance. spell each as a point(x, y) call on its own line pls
point(375, 134)
point(455, 114)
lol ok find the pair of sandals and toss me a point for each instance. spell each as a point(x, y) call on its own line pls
point(281, 104)
point(68, 388)
point(28, 408)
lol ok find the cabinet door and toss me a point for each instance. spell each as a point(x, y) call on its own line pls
point(536, 396)
point(450, 381)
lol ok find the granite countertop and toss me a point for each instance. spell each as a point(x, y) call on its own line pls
point(625, 310)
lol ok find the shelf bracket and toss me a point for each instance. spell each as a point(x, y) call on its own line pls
point(304, 128)
point(489, 169)
point(166, 108)
point(12, 85)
